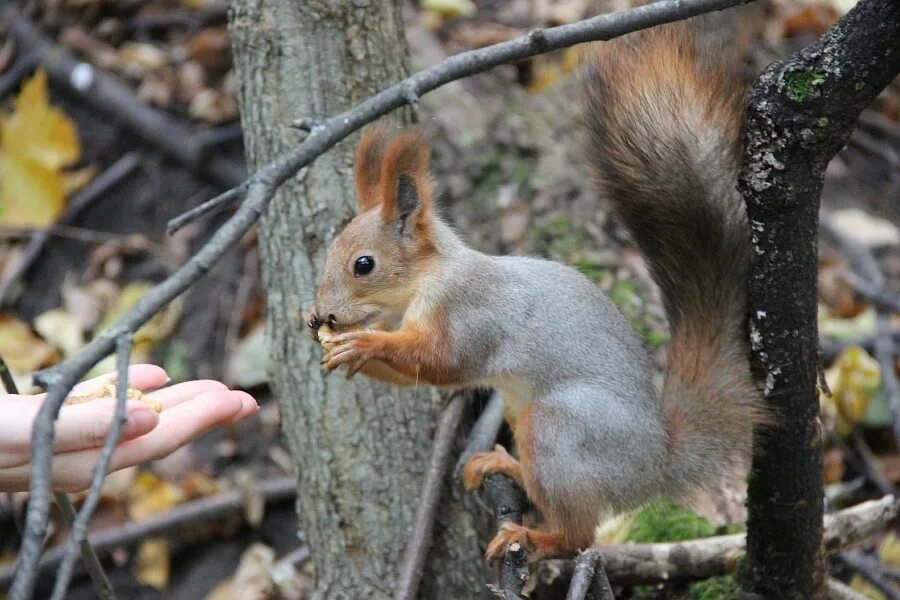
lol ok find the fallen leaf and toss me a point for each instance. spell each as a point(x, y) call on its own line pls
point(853, 378)
point(247, 365)
point(253, 578)
point(153, 564)
point(36, 141)
point(150, 495)
point(854, 328)
point(61, 329)
point(23, 351)
point(448, 9)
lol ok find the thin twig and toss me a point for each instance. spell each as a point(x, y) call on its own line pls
point(484, 433)
point(220, 202)
point(173, 522)
point(24, 65)
point(79, 527)
point(262, 186)
point(509, 504)
point(88, 556)
point(423, 522)
point(870, 570)
point(868, 465)
point(838, 590)
point(101, 184)
point(589, 580)
point(885, 352)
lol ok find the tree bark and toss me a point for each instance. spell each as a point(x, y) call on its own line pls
point(360, 447)
point(800, 112)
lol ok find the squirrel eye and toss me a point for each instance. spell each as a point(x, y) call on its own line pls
point(363, 265)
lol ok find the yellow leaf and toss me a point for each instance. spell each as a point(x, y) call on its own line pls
point(31, 194)
point(853, 378)
point(150, 496)
point(22, 350)
point(153, 563)
point(449, 8)
point(36, 141)
point(61, 329)
point(889, 551)
point(37, 130)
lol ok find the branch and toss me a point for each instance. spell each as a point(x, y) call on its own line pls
point(589, 579)
point(224, 505)
point(800, 112)
point(423, 522)
point(870, 570)
point(88, 555)
point(79, 527)
point(261, 187)
point(484, 433)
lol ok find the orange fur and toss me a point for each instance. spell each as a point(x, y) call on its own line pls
point(367, 168)
point(540, 544)
point(496, 461)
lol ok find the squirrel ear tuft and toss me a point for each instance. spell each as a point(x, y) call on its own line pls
point(367, 167)
point(405, 182)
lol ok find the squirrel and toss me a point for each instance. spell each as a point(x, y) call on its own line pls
point(408, 302)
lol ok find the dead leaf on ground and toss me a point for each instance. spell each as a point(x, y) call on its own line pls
point(853, 378)
point(36, 141)
point(150, 495)
point(23, 351)
point(153, 563)
point(61, 329)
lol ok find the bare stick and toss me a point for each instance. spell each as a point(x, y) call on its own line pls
point(838, 590)
point(108, 179)
point(79, 527)
point(88, 556)
point(885, 352)
point(220, 202)
point(225, 505)
point(423, 522)
point(484, 433)
point(262, 186)
point(870, 570)
point(589, 580)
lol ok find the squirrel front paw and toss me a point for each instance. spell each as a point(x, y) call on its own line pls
point(353, 348)
point(485, 463)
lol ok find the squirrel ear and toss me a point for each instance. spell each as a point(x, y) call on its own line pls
point(405, 182)
point(367, 168)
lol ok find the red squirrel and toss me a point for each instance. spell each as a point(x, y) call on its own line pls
point(409, 302)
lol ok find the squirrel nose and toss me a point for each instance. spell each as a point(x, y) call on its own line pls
point(331, 319)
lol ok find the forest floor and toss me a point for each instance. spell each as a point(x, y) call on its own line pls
point(512, 179)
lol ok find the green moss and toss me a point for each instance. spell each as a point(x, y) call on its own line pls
point(799, 84)
point(665, 521)
point(716, 588)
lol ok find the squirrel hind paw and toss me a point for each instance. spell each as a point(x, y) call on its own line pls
point(482, 464)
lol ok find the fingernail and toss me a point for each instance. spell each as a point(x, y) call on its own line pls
point(140, 421)
point(250, 403)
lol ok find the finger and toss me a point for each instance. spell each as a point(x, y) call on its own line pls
point(78, 427)
point(142, 377)
point(177, 426)
point(85, 425)
point(174, 395)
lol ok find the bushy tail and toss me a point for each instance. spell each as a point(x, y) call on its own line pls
point(663, 114)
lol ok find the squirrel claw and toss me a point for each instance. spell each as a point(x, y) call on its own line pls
point(508, 534)
point(485, 463)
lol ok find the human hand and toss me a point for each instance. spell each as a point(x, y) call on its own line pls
point(189, 410)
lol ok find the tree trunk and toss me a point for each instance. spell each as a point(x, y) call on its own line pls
point(360, 447)
point(800, 112)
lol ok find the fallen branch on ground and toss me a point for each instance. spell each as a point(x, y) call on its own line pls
point(172, 522)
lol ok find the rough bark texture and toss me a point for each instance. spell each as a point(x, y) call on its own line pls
point(360, 447)
point(800, 113)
